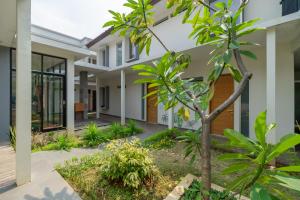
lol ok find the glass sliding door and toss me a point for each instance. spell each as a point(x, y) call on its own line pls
point(48, 92)
point(53, 101)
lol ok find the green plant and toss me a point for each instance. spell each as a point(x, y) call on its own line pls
point(214, 25)
point(132, 128)
point(63, 141)
point(298, 125)
point(118, 130)
point(93, 136)
point(194, 192)
point(163, 139)
point(192, 143)
point(12, 137)
point(255, 162)
point(128, 163)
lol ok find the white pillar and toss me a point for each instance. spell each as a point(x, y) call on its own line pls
point(84, 96)
point(70, 95)
point(123, 97)
point(271, 81)
point(170, 118)
point(97, 96)
point(23, 93)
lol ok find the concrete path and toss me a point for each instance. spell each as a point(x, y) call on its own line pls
point(46, 183)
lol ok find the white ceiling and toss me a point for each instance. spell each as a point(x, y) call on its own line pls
point(7, 21)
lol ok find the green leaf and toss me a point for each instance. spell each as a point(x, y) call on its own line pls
point(233, 156)
point(235, 168)
point(289, 182)
point(286, 143)
point(248, 54)
point(259, 193)
point(260, 127)
point(239, 140)
point(227, 56)
point(289, 169)
point(237, 76)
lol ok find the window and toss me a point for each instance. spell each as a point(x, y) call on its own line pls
point(48, 92)
point(105, 97)
point(103, 58)
point(94, 61)
point(133, 51)
point(119, 54)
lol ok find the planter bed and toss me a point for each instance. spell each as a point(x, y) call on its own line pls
point(186, 182)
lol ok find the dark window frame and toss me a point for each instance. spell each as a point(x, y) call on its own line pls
point(42, 73)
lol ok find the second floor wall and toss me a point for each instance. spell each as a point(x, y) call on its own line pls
point(175, 35)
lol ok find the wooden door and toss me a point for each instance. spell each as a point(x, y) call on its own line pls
point(151, 107)
point(224, 87)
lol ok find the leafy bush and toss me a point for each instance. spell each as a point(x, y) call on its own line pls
point(255, 162)
point(12, 137)
point(132, 128)
point(63, 141)
point(163, 139)
point(93, 136)
point(128, 163)
point(195, 192)
point(120, 131)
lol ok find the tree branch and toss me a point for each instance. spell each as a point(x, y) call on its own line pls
point(232, 97)
point(178, 99)
point(239, 61)
point(158, 39)
point(207, 5)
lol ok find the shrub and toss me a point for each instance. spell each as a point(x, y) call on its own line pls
point(132, 128)
point(12, 137)
point(128, 163)
point(93, 136)
point(163, 139)
point(117, 130)
point(63, 141)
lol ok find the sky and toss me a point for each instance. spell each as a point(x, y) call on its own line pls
point(77, 18)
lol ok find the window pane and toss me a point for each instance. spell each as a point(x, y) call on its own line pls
point(119, 54)
point(54, 65)
point(36, 61)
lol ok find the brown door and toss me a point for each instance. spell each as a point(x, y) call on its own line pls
point(224, 87)
point(151, 107)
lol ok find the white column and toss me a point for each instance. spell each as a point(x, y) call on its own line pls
point(123, 97)
point(271, 81)
point(23, 93)
point(170, 118)
point(84, 96)
point(70, 95)
point(97, 96)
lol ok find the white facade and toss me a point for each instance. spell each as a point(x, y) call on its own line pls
point(175, 35)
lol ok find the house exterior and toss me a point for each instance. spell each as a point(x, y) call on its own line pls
point(46, 77)
point(274, 86)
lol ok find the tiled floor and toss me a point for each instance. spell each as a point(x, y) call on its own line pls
point(7, 167)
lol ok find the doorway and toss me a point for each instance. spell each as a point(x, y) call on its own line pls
point(152, 106)
point(224, 87)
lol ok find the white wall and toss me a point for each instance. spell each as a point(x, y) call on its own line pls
point(133, 100)
point(264, 9)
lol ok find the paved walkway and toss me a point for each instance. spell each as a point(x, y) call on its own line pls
point(7, 167)
point(46, 183)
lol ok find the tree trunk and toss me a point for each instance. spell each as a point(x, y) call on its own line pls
point(205, 157)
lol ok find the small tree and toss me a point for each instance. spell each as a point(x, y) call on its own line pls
point(217, 26)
